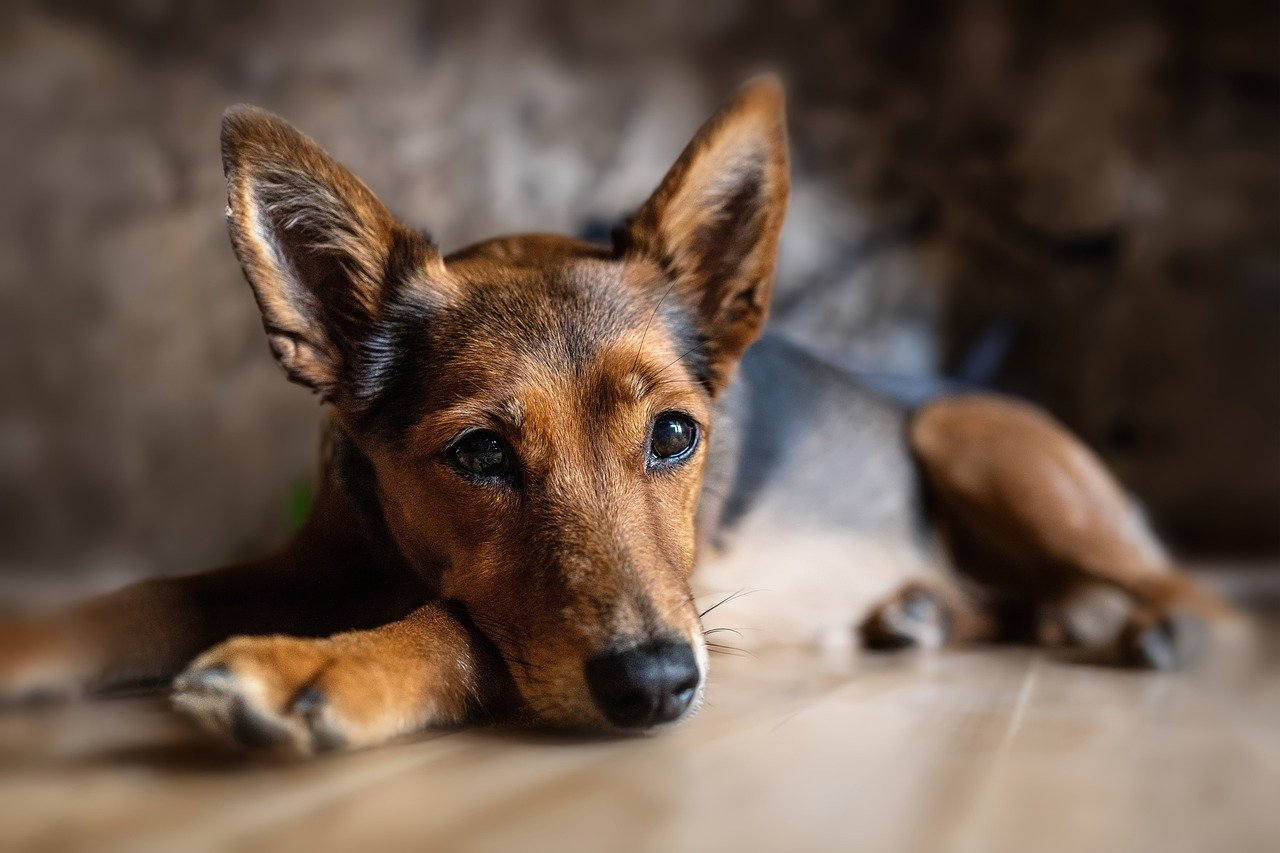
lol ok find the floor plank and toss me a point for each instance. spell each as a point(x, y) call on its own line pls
point(987, 750)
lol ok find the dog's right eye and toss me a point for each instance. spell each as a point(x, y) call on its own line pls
point(481, 453)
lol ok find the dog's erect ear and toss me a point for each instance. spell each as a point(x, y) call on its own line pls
point(713, 223)
point(315, 244)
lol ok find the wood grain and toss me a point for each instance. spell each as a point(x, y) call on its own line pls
point(989, 750)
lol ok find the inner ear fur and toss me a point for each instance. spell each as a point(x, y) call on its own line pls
point(714, 221)
point(315, 244)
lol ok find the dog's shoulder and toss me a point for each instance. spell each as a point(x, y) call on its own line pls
point(801, 442)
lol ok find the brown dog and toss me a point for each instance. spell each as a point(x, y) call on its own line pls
point(530, 440)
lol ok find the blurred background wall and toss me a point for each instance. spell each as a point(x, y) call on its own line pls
point(1077, 202)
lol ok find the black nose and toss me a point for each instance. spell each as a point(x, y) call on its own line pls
point(643, 686)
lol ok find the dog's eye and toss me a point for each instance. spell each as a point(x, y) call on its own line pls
point(673, 438)
point(481, 453)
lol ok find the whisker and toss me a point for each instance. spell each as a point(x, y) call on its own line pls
point(732, 651)
point(681, 380)
point(726, 600)
point(645, 333)
point(683, 355)
point(512, 636)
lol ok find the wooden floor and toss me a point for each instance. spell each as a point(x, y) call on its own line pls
point(983, 751)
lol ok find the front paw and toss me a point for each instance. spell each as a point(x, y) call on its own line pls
point(299, 696)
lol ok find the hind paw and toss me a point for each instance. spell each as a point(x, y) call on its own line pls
point(916, 616)
point(1166, 641)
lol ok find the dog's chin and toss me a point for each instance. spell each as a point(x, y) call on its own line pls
point(571, 716)
point(589, 723)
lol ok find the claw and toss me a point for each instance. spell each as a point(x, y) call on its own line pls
point(1173, 642)
point(309, 702)
point(203, 680)
point(254, 730)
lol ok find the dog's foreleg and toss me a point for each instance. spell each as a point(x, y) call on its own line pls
point(149, 631)
point(303, 696)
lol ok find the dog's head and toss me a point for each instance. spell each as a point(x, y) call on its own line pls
point(536, 410)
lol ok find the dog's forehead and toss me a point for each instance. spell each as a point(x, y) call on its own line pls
point(516, 322)
point(564, 310)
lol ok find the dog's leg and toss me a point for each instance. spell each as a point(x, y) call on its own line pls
point(149, 631)
point(927, 613)
point(143, 632)
point(302, 696)
point(1011, 484)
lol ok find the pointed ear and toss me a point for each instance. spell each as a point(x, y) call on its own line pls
point(315, 245)
point(713, 223)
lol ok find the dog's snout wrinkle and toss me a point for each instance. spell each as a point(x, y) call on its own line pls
point(645, 685)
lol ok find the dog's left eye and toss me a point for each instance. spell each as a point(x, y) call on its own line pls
point(481, 453)
point(673, 438)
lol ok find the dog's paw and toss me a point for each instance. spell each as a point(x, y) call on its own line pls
point(246, 689)
point(37, 664)
point(1165, 641)
point(916, 616)
point(295, 696)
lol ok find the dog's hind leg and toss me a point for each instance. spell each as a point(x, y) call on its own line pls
point(1030, 514)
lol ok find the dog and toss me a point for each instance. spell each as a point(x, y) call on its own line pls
point(532, 441)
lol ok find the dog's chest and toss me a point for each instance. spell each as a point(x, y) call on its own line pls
point(811, 507)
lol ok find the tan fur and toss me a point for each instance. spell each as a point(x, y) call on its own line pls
point(329, 211)
point(674, 224)
point(1034, 522)
point(1006, 472)
point(599, 504)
